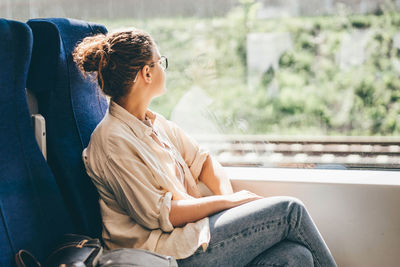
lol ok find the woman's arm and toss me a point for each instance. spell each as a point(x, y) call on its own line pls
point(191, 210)
point(214, 177)
point(209, 172)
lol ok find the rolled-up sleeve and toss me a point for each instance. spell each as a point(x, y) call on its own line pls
point(191, 152)
point(137, 193)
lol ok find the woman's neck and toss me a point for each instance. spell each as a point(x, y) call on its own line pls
point(136, 105)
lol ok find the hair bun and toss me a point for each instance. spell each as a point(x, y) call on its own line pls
point(92, 53)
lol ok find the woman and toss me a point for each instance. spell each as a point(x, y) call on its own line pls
point(150, 176)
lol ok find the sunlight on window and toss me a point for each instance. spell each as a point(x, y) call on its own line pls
point(310, 84)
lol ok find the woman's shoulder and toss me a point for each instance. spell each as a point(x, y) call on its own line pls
point(108, 136)
point(106, 127)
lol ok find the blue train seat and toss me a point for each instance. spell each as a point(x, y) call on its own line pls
point(72, 107)
point(33, 215)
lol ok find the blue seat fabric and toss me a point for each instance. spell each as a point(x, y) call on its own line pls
point(33, 215)
point(72, 107)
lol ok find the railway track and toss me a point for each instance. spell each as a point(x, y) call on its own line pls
point(304, 152)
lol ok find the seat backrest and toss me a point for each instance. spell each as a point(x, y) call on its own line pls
point(72, 107)
point(32, 212)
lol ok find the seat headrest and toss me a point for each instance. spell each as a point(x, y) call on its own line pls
point(55, 39)
point(16, 44)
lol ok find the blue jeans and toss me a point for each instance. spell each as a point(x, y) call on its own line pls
point(275, 231)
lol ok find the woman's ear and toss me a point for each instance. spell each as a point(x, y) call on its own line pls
point(146, 74)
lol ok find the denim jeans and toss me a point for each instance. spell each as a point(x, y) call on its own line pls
point(275, 231)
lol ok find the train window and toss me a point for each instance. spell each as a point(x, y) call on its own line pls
point(272, 83)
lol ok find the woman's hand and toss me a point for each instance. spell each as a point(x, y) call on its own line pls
point(190, 210)
point(241, 197)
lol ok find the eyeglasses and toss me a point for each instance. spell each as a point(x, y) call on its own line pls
point(163, 61)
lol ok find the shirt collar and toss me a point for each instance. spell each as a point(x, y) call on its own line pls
point(138, 127)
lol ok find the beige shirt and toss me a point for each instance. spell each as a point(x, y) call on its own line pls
point(137, 178)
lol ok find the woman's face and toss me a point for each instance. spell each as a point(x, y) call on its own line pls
point(158, 74)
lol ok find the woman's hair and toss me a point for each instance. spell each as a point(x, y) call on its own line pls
point(117, 58)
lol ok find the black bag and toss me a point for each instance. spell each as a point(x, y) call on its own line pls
point(75, 249)
point(72, 251)
point(83, 251)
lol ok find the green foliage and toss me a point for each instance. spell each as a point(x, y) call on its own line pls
point(316, 95)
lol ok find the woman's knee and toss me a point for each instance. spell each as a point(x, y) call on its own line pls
point(292, 208)
point(273, 207)
point(297, 203)
point(291, 203)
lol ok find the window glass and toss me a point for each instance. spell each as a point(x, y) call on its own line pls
point(309, 84)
